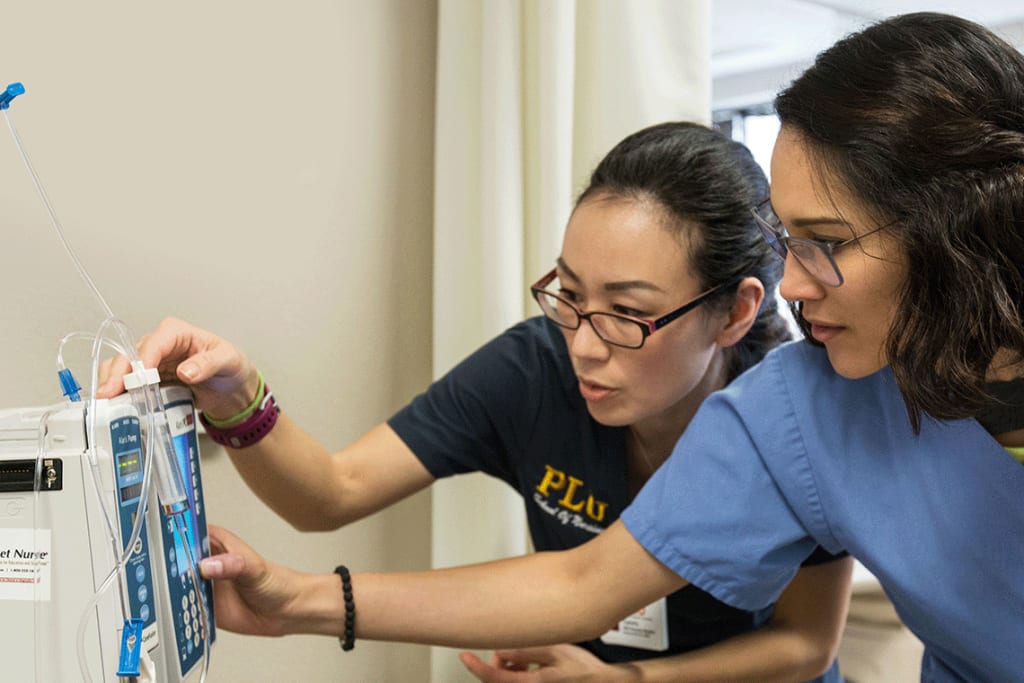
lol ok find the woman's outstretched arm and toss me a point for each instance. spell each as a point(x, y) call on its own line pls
point(543, 598)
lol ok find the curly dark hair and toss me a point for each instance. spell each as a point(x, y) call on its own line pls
point(920, 118)
point(707, 184)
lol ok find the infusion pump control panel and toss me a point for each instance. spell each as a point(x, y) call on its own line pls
point(186, 595)
point(62, 507)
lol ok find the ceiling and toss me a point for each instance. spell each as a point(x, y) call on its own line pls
point(757, 46)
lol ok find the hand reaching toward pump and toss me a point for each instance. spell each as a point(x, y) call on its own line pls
point(221, 377)
point(257, 597)
point(547, 664)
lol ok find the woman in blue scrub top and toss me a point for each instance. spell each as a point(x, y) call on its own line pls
point(655, 302)
point(894, 433)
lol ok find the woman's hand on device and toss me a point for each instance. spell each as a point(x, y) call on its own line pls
point(222, 378)
point(251, 595)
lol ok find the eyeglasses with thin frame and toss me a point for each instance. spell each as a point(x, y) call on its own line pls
point(816, 256)
point(614, 328)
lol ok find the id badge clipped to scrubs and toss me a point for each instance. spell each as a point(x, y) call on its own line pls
point(646, 629)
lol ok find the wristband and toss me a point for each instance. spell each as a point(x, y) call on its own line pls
point(250, 431)
point(349, 640)
point(261, 392)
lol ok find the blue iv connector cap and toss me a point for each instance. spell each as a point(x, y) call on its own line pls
point(68, 385)
point(131, 647)
point(12, 91)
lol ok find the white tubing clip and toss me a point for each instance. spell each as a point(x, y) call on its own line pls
point(141, 376)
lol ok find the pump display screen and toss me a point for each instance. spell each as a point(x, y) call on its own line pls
point(130, 492)
point(129, 474)
point(128, 463)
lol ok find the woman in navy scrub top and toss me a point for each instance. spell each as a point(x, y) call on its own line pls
point(663, 293)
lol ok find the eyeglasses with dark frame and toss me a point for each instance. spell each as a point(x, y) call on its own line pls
point(816, 256)
point(613, 328)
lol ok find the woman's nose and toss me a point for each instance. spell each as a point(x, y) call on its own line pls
point(586, 344)
point(797, 284)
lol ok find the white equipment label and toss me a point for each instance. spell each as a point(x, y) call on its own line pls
point(25, 559)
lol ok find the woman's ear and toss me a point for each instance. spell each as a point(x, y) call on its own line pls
point(749, 295)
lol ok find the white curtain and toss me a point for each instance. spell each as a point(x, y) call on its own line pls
point(530, 95)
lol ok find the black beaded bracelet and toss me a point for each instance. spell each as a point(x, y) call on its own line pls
point(349, 641)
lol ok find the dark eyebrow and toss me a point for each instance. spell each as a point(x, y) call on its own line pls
point(810, 222)
point(610, 286)
point(568, 271)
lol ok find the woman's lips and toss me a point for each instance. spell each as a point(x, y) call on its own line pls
point(593, 392)
point(824, 333)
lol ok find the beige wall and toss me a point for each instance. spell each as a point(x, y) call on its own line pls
point(262, 169)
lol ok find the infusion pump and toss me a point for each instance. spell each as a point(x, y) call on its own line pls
point(154, 618)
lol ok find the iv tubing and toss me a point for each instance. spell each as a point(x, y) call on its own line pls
point(126, 339)
point(172, 492)
point(91, 423)
point(121, 555)
point(70, 336)
point(90, 431)
point(177, 501)
point(53, 216)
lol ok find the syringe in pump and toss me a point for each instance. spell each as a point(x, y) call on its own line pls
point(144, 386)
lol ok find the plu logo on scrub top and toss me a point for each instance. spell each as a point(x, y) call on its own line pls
point(572, 498)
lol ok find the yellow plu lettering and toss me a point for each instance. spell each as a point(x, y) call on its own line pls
point(553, 479)
point(566, 501)
point(557, 480)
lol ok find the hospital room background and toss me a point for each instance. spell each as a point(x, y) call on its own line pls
point(360, 193)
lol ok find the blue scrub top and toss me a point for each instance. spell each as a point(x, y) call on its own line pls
point(791, 455)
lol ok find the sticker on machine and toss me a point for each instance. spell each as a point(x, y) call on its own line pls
point(25, 559)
